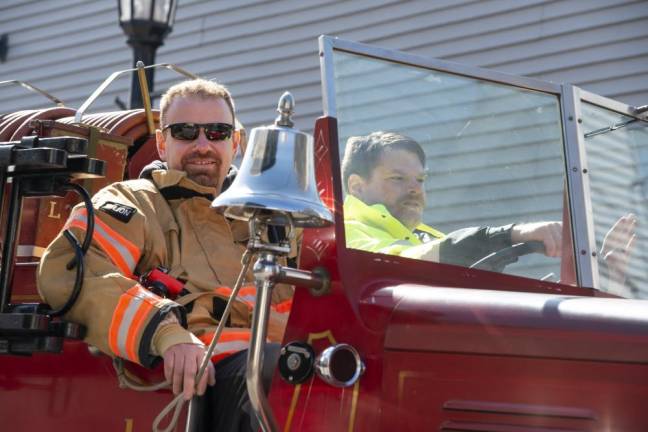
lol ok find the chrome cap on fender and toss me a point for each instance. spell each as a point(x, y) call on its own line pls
point(339, 365)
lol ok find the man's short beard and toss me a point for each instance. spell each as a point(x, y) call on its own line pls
point(205, 180)
point(210, 176)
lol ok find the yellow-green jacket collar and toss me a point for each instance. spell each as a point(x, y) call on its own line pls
point(377, 216)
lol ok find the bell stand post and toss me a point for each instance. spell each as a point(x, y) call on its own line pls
point(267, 273)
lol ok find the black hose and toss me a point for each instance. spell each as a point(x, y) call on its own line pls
point(78, 281)
point(87, 201)
point(79, 250)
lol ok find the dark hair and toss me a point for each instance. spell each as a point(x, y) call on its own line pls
point(363, 152)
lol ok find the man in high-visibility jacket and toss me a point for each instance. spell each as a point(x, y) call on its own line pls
point(384, 174)
point(165, 220)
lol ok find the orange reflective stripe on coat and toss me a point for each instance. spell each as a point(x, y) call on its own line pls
point(230, 342)
point(247, 294)
point(224, 291)
point(123, 253)
point(126, 327)
point(283, 307)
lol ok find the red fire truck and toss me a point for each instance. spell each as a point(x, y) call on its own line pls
point(515, 341)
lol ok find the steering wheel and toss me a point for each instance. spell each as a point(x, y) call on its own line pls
point(496, 261)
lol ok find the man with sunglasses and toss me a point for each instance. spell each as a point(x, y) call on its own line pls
point(159, 232)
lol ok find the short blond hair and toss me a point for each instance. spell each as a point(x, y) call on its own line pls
point(198, 87)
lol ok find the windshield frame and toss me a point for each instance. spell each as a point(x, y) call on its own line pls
point(327, 44)
point(581, 205)
point(570, 99)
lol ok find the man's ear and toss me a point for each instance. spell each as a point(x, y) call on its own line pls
point(239, 137)
point(236, 140)
point(160, 143)
point(355, 185)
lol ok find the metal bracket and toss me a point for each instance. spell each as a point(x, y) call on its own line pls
point(26, 329)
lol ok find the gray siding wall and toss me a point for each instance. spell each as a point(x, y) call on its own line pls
point(261, 48)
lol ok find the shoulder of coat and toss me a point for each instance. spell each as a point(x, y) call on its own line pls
point(134, 191)
point(139, 185)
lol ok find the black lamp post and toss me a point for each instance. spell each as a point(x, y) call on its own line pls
point(146, 23)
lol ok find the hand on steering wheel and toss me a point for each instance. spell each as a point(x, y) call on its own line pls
point(548, 233)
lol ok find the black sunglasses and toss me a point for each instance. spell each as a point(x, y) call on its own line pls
point(190, 131)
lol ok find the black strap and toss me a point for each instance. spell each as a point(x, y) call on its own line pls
point(178, 192)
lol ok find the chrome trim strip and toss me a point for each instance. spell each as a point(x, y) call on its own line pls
point(580, 202)
point(30, 250)
point(328, 79)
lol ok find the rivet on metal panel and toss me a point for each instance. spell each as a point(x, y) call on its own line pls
point(571, 118)
point(583, 252)
point(584, 170)
point(575, 169)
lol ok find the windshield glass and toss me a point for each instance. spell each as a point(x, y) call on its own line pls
point(438, 166)
point(617, 158)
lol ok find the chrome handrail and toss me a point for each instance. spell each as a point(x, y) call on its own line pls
point(35, 89)
point(78, 117)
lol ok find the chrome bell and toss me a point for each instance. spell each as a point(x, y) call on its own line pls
point(276, 181)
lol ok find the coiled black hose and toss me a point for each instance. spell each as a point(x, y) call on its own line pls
point(79, 250)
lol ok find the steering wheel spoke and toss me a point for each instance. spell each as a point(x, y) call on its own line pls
point(496, 261)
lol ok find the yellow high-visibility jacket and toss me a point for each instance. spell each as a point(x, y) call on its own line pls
point(372, 228)
point(140, 225)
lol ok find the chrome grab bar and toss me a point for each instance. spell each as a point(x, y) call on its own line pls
point(78, 117)
point(34, 89)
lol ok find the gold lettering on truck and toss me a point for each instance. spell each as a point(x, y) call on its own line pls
point(129, 425)
point(52, 210)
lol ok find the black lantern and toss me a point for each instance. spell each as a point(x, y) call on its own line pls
point(146, 23)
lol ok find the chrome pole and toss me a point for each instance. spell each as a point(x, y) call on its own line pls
point(265, 270)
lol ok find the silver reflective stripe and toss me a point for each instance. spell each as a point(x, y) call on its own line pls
point(231, 346)
point(136, 300)
point(125, 253)
point(127, 321)
point(248, 298)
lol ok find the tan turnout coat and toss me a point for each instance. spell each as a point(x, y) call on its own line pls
point(139, 226)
